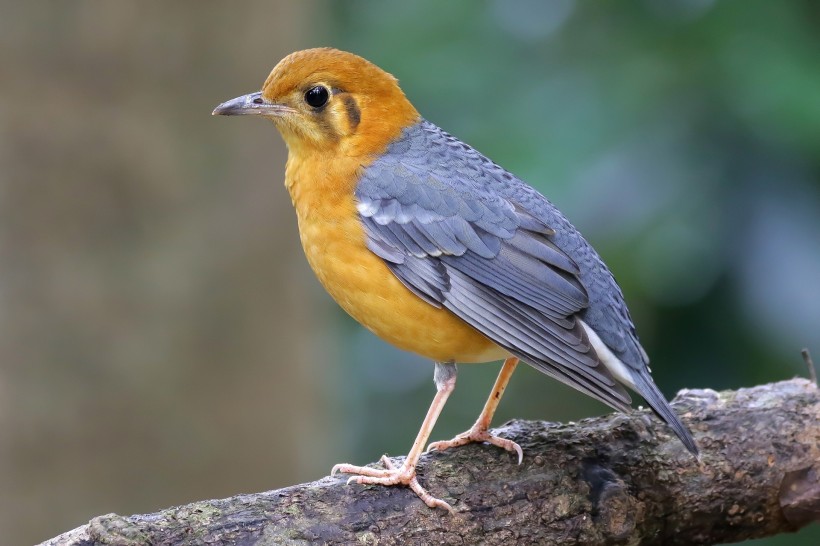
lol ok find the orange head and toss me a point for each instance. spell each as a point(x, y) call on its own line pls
point(328, 100)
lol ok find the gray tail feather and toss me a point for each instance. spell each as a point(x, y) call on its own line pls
point(653, 396)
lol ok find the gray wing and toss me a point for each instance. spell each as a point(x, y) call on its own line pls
point(458, 244)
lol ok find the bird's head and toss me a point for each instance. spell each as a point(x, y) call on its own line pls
point(329, 100)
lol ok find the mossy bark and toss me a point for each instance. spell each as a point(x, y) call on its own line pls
point(620, 479)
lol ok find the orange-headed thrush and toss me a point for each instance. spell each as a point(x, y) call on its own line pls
point(438, 250)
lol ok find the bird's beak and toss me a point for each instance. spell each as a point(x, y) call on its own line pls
point(252, 104)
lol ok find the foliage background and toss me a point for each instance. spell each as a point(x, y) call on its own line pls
point(161, 336)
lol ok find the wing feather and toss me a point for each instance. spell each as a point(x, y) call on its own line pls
point(457, 245)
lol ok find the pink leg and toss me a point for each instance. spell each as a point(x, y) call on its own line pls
point(445, 378)
point(480, 430)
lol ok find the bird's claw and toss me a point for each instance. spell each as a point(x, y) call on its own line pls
point(360, 470)
point(391, 475)
point(478, 435)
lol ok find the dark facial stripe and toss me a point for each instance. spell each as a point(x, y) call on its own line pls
point(353, 113)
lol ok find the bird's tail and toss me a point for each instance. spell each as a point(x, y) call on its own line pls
point(653, 396)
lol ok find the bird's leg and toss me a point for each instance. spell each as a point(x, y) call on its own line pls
point(480, 430)
point(445, 379)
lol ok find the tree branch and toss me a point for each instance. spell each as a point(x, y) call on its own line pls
point(611, 480)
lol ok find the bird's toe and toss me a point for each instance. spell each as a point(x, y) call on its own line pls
point(477, 435)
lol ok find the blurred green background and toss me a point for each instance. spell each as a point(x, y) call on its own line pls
point(162, 339)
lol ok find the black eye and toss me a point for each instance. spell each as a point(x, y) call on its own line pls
point(317, 96)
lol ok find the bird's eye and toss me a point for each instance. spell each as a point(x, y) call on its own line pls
point(317, 96)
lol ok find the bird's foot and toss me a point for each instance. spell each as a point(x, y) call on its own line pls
point(391, 475)
point(477, 434)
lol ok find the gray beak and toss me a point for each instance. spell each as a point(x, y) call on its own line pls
point(251, 104)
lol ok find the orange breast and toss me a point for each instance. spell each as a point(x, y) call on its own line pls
point(334, 242)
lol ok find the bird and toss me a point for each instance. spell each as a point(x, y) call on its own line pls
point(441, 252)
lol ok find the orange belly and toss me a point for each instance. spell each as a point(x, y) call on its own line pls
point(334, 242)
